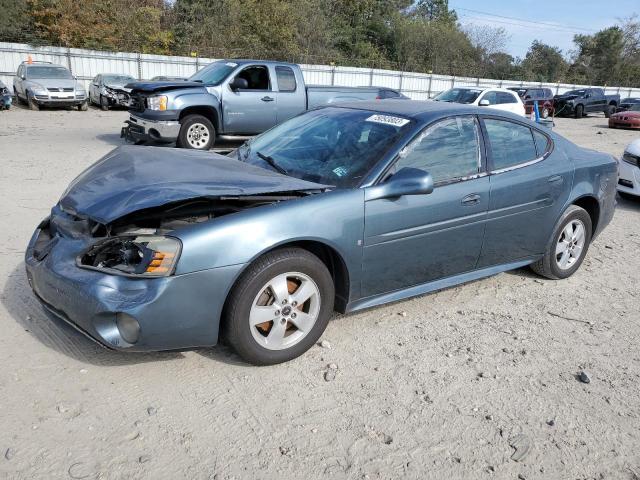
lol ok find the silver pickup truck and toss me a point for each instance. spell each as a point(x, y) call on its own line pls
point(230, 99)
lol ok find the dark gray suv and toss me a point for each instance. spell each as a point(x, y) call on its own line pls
point(46, 84)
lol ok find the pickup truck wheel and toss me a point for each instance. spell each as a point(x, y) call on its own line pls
point(279, 307)
point(579, 113)
point(610, 110)
point(568, 246)
point(196, 132)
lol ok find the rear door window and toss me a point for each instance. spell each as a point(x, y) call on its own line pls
point(504, 97)
point(491, 97)
point(449, 150)
point(511, 143)
point(286, 79)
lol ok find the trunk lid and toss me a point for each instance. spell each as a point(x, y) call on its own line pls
point(132, 178)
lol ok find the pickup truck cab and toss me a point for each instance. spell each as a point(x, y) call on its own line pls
point(585, 100)
point(229, 99)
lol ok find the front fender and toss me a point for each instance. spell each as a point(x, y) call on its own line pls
point(334, 218)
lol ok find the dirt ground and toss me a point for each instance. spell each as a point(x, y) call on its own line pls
point(434, 387)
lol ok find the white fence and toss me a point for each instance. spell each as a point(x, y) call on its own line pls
point(86, 64)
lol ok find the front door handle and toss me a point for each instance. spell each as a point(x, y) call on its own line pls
point(555, 179)
point(472, 199)
point(267, 99)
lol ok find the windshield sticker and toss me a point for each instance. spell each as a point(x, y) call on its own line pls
point(231, 64)
point(340, 171)
point(388, 120)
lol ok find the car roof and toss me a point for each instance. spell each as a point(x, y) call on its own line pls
point(423, 110)
point(244, 61)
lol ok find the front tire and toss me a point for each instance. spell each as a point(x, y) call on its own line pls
point(33, 105)
point(83, 107)
point(279, 307)
point(610, 110)
point(579, 113)
point(568, 246)
point(196, 132)
point(104, 104)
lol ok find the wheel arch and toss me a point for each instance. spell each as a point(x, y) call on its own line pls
point(328, 254)
point(592, 206)
point(206, 111)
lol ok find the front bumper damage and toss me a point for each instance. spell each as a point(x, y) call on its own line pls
point(173, 313)
point(140, 130)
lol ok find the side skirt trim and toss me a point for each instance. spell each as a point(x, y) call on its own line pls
point(433, 286)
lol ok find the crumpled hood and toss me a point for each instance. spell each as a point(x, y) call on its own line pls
point(132, 178)
point(565, 97)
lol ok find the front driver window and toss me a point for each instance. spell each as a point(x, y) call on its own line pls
point(448, 150)
point(257, 77)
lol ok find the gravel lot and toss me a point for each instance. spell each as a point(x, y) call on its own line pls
point(434, 387)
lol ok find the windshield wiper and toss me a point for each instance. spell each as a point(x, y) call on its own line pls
point(271, 162)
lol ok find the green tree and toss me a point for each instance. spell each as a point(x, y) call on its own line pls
point(15, 22)
point(544, 63)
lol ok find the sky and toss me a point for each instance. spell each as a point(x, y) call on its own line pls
point(570, 17)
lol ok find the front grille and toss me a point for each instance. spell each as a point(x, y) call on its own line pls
point(137, 102)
point(60, 89)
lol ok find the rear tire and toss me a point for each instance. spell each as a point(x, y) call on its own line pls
point(545, 112)
point(253, 299)
point(196, 132)
point(551, 264)
point(579, 113)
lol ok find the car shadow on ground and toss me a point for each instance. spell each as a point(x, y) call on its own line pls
point(629, 203)
point(23, 306)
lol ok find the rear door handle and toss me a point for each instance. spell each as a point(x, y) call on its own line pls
point(472, 199)
point(267, 99)
point(555, 179)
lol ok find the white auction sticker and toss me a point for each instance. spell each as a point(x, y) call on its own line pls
point(388, 120)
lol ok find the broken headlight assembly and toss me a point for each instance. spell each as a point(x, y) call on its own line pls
point(141, 255)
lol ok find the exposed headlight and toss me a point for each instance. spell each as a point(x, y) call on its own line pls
point(158, 102)
point(142, 255)
point(632, 159)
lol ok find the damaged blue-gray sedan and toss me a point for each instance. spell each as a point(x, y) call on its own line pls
point(341, 208)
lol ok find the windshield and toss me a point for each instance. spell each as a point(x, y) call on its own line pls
point(118, 79)
point(459, 95)
point(214, 73)
point(48, 72)
point(574, 92)
point(332, 146)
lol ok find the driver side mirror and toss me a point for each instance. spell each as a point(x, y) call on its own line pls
point(484, 103)
point(239, 84)
point(408, 181)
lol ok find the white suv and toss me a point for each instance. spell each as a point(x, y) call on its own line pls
point(499, 98)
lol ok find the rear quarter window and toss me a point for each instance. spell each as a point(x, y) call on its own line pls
point(512, 144)
point(286, 79)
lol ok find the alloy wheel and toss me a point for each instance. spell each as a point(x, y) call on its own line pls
point(284, 311)
point(570, 244)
